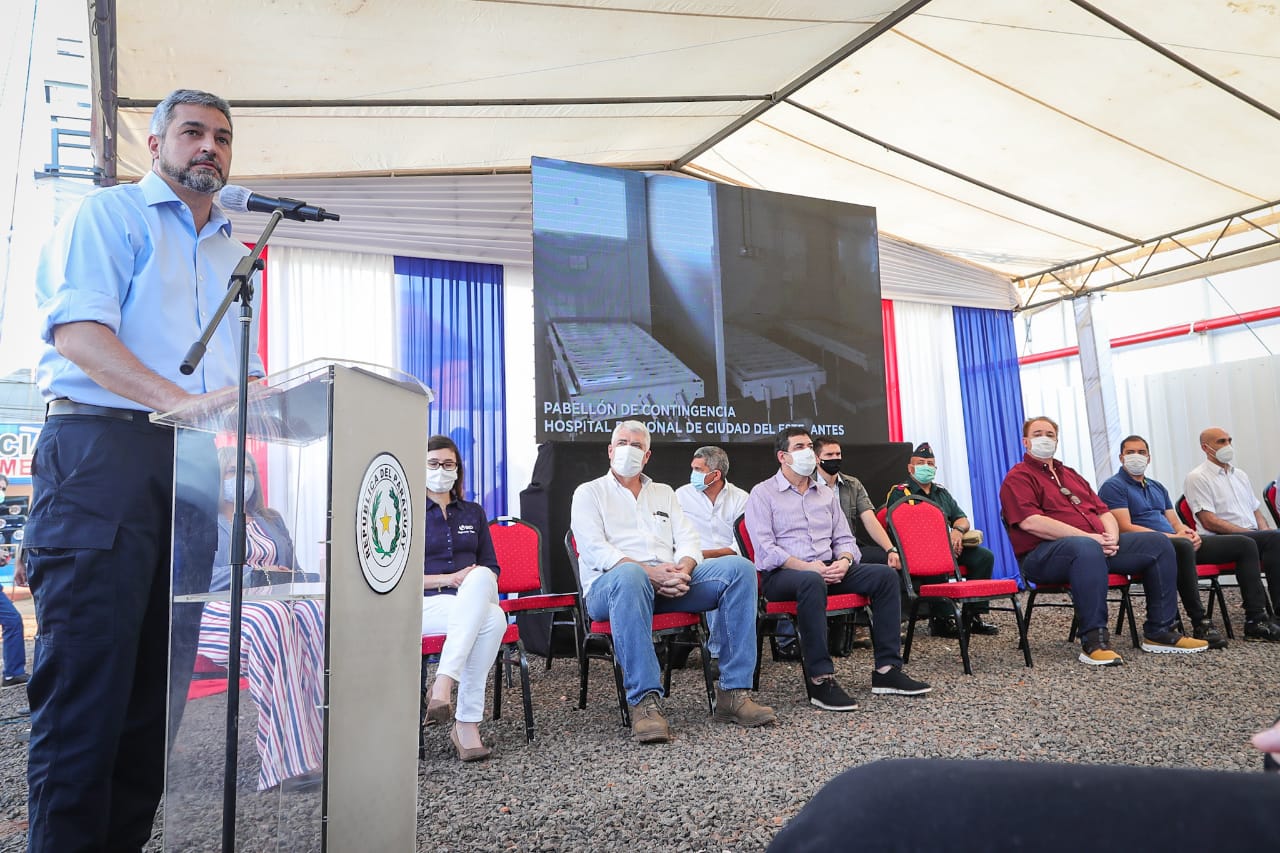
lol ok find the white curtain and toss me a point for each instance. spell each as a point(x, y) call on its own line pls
point(929, 391)
point(332, 305)
point(324, 304)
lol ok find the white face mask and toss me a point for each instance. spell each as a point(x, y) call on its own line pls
point(1135, 463)
point(229, 489)
point(1225, 454)
point(627, 460)
point(1043, 447)
point(804, 461)
point(440, 480)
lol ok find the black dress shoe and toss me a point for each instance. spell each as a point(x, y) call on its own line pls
point(977, 626)
point(1262, 629)
point(944, 626)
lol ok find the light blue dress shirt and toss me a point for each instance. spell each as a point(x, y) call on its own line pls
point(130, 258)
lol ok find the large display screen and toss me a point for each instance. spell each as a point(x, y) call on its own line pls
point(709, 312)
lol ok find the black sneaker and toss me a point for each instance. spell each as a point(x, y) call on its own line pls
point(896, 681)
point(1262, 629)
point(829, 696)
point(1209, 632)
point(14, 680)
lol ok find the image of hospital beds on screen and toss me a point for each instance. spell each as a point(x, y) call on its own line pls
point(603, 365)
point(765, 371)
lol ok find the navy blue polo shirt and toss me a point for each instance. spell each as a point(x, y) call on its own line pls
point(456, 542)
point(1147, 501)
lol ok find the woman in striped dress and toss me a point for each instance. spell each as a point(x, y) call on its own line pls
point(282, 642)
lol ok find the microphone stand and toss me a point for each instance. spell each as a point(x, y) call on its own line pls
point(239, 287)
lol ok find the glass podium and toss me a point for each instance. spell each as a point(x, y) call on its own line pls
point(326, 730)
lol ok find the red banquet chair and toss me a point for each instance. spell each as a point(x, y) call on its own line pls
point(518, 546)
point(1209, 571)
point(1114, 581)
point(930, 573)
point(597, 643)
point(510, 653)
point(1269, 498)
point(770, 613)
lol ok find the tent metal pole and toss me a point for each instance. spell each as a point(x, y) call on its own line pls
point(102, 44)
point(1175, 58)
point(902, 152)
point(863, 39)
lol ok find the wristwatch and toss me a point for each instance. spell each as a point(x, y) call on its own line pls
point(892, 550)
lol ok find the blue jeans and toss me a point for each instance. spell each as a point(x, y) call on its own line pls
point(626, 598)
point(15, 646)
point(1079, 561)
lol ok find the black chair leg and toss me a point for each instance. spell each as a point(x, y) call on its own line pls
point(755, 678)
point(911, 630)
point(497, 682)
point(707, 678)
point(964, 645)
point(422, 709)
point(1215, 591)
point(526, 692)
point(1023, 642)
point(617, 681)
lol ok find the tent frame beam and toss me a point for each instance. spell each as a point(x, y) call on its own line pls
point(362, 103)
point(1075, 276)
point(863, 39)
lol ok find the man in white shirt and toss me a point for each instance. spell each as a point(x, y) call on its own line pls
point(1223, 501)
point(638, 555)
point(712, 504)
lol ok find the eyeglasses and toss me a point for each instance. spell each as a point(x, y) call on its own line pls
point(436, 464)
point(1074, 500)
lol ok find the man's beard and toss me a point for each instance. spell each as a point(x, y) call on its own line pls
point(203, 181)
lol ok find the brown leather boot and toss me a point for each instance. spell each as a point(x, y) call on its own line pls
point(647, 723)
point(737, 706)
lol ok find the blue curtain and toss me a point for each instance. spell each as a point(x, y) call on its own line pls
point(451, 338)
point(991, 393)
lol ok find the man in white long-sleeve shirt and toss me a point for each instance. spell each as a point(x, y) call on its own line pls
point(637, 555)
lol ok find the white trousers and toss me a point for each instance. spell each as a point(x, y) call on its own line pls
point(473, 624)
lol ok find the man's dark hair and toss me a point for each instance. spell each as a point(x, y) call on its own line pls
point(4, 479)
point(163, 115)
point(1130, 438)
point(785, 435)
point(820, 442)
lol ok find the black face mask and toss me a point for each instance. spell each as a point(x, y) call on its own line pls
point(831, 466)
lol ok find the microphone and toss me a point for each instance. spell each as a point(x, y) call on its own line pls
point(233, 197)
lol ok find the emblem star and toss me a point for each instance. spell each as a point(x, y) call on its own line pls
point(386, 523)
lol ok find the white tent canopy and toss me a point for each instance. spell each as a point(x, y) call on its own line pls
point(1016, 135)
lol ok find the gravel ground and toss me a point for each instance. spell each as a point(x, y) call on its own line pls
point(584, 785)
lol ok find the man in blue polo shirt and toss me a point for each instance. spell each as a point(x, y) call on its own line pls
point(1140, 503)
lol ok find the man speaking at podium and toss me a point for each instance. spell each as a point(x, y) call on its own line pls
point(124, 288)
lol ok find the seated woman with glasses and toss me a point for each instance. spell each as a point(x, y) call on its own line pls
point(282, 642)
point(460, 599)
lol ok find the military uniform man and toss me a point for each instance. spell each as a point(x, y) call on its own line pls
point(976, 561)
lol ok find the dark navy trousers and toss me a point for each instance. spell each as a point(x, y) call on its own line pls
point(1079, 561)
point(98, 554)
point(15, 646)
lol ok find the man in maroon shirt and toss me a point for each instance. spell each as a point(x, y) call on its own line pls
point(1063, 533)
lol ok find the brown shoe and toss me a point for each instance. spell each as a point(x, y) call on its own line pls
point(647, 723)
point(469, 753)
point(737, 706)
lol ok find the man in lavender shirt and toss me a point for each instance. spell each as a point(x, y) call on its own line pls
point(805, 551)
